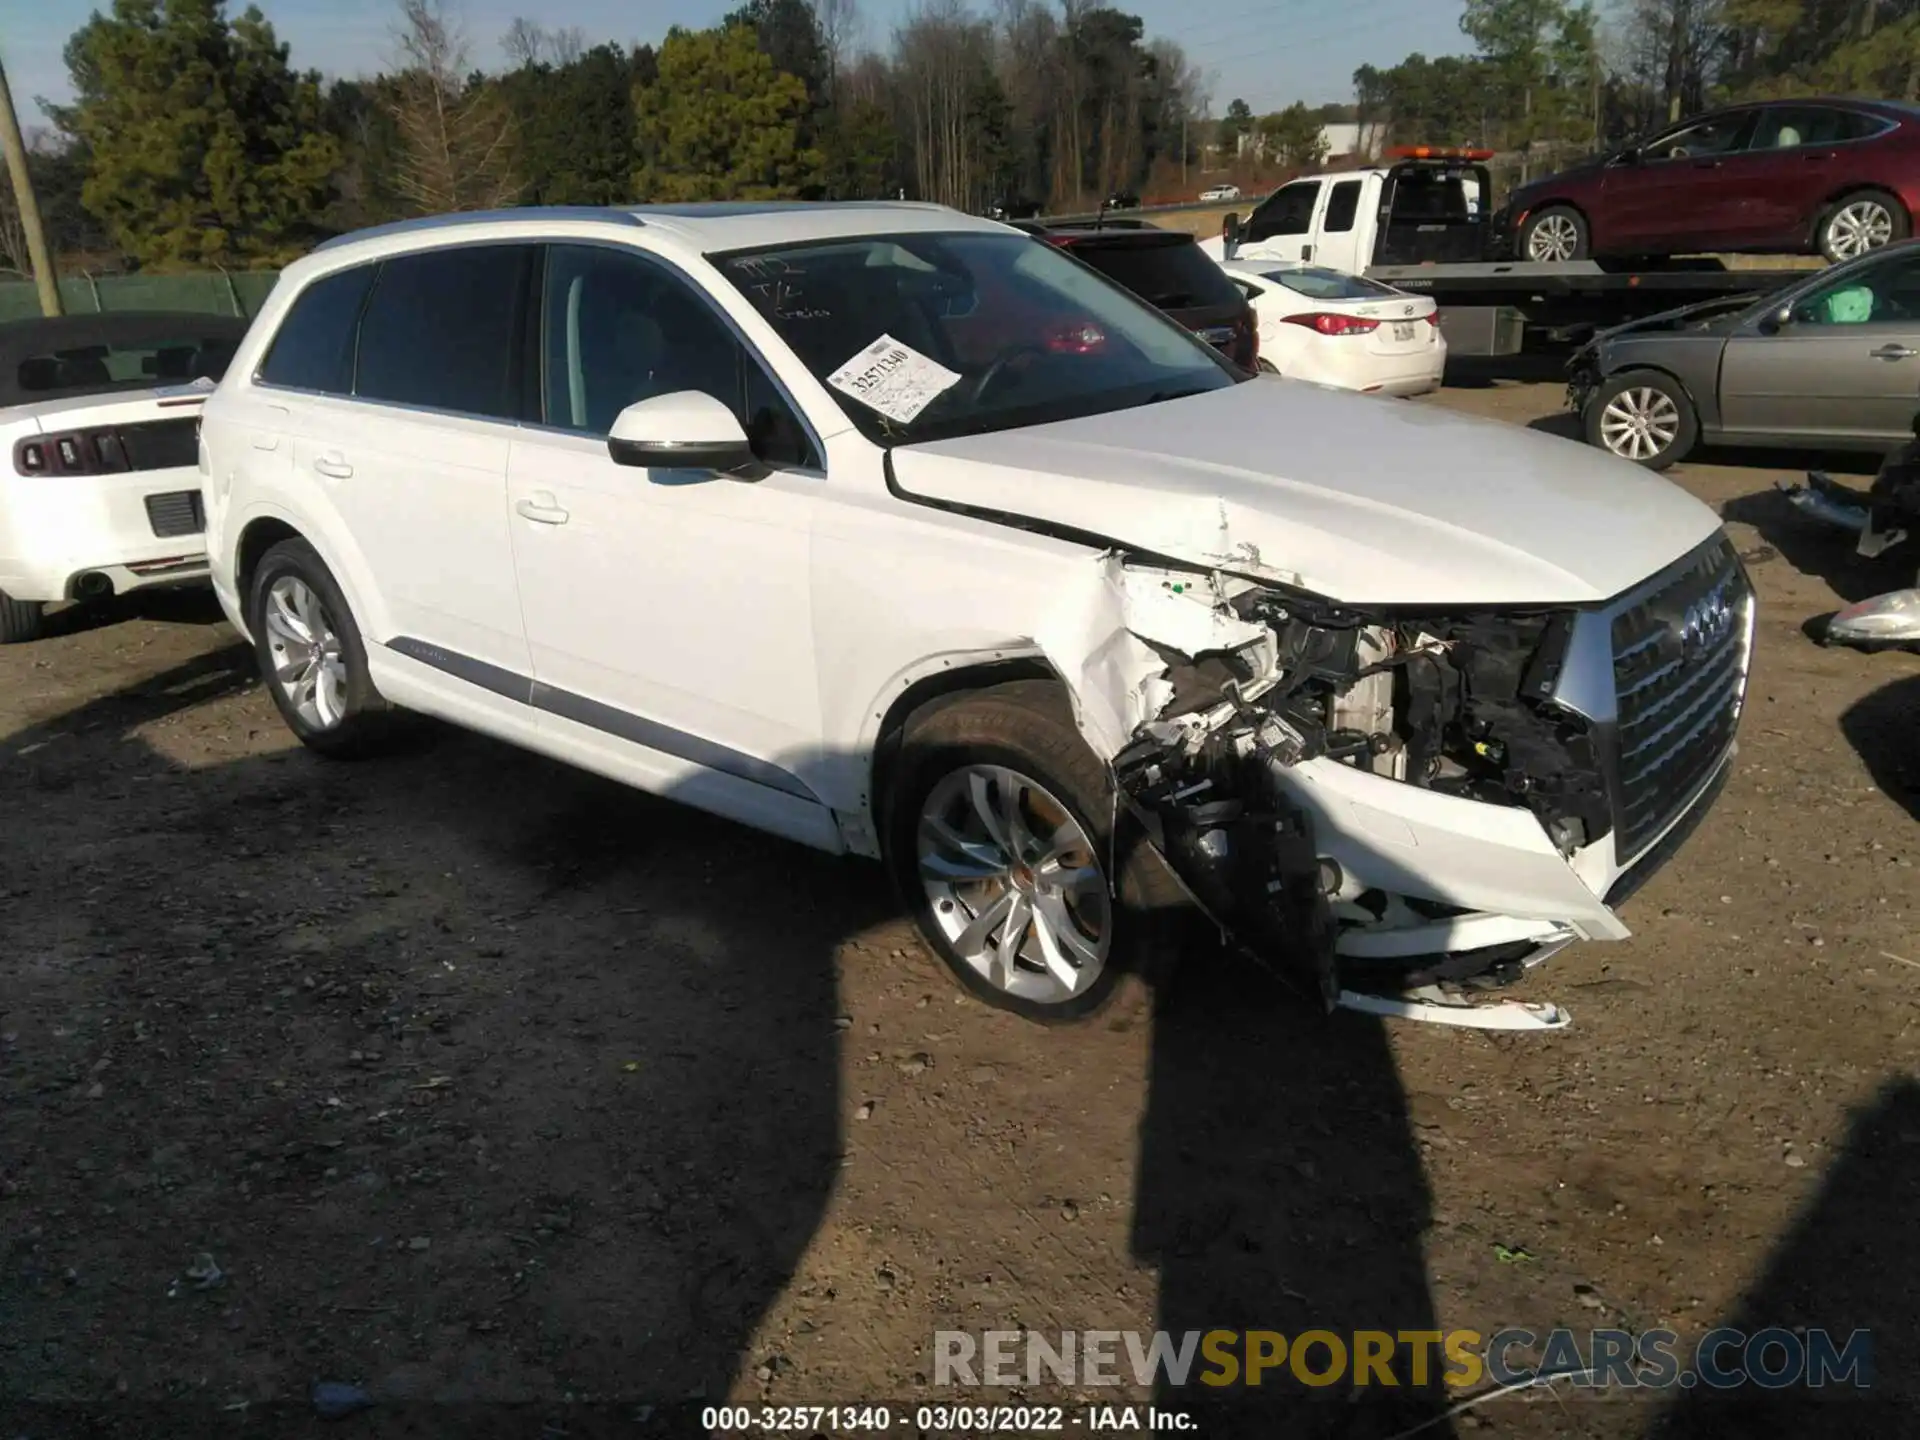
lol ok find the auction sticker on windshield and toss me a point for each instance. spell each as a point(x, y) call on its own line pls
point(895, 379)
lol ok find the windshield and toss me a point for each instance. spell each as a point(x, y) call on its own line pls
point(929, 336)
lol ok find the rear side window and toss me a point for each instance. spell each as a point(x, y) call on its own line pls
point(444, 331)
point(1342, 205)
point(314, 347)
point(1788, 127)
point(1169, 277)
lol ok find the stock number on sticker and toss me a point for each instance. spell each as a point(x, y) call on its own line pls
point(990, 1419)
point(793, 1419)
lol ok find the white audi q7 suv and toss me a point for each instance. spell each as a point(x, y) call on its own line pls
point(902, 534)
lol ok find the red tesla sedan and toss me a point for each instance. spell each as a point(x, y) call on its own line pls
point(1830, 177)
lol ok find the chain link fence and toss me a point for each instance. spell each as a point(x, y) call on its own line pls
point(217, 292)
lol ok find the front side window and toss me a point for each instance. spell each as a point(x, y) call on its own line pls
point(1288, 211)
point(960, 334)
point(1716, 135)
point(443, 331)
point(313, 349)
point(1887, 291)
point(618, 329)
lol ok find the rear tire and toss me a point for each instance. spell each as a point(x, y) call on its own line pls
point(21, 620)
point(311, 655)
point(1865, 221)
point(1556, 234)
point(1001, 815)
point(1643, 416)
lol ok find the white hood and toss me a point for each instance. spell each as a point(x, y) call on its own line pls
point(1358, 498)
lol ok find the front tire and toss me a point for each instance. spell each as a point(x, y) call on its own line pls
point(1643, 416)
point(311, 655)
point(21, 620)
point(1864, 221)
point(1002, 839)
point(1556, 234)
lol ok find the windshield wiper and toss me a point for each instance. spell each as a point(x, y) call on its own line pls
point(1160, 396)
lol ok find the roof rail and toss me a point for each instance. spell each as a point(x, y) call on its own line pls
point(604, 213)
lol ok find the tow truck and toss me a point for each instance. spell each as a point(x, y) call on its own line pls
point(1424, 222)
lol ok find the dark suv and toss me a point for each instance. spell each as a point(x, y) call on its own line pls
point(1171, 272)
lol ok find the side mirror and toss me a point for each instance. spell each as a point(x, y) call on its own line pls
point(1230, 233)
point(686, 430)
point(1776, 320)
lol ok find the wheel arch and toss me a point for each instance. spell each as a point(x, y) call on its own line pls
point(1562, 203)
point(1667, 372)
point(268, 525)
point(260, 535)
point(1844, 191)
point(921, 690)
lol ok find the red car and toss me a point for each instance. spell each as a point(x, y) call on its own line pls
point(1829, 177)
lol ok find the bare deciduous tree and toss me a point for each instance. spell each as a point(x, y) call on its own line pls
point(456, 133)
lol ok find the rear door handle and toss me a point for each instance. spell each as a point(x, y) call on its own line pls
point(541, 509)
point(333, 465)
point(1893, 352)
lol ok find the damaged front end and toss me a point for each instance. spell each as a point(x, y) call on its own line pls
point(1396, 808)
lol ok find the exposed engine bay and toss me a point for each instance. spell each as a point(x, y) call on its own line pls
point(1235, 682)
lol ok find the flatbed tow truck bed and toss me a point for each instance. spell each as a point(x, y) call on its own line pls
point(1488, 301)
point(1423, 222)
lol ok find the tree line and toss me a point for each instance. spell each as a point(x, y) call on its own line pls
point(193, 140)
point(1563, 74)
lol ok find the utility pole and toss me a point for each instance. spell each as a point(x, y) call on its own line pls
point(15, 149)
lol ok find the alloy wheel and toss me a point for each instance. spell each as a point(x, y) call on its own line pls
point(308, 665)
point(1014, 884)
point(1556, 237)
point(1640, 423)
point(1857, 228)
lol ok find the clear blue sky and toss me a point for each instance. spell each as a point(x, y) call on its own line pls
point(1268, 52)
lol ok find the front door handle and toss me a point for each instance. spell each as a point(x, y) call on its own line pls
point(333, 465)
point(1893, 352)
point(541, 509)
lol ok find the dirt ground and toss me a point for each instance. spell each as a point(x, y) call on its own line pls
point(536, 1106)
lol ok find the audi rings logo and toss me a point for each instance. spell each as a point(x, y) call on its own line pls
point(1707, 622)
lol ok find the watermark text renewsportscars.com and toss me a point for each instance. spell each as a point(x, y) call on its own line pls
point(1774, 1358)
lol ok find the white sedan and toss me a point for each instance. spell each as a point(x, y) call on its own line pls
point(1343, 330)
point(1221, 192)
